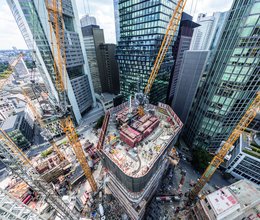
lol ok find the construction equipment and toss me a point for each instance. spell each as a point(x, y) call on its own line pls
point(56, 24)
point(17, 161)
point(4, 77)
point(171, 29)
point(248, 117)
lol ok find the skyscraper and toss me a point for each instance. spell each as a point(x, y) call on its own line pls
point(32, 20)
point(109, 70)
point(93, 36)
point(232, 81)
point(207, 34)
point(101, 58)
point(88, 20)
point(116, 15)
point(181, 44)
point(190, 73)
point(142, 27)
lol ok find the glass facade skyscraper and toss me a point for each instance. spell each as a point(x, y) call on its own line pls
point(227, 89)
point(142, 28)
point(32, 19)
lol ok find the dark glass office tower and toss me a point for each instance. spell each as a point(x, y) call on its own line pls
point(142, 28)
point(232, 81)
point(181, 44)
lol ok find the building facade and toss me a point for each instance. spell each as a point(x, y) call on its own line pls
point(142, 28)
point(19, 130)
point(189, 76)
point(32, 20)
point(181, 44)
point(88, 20)
point(109, 69)
point(93, 36)
point(245, 158)
point(206, 36)
point(227, 89)
point(116, 15)
point(101, 58)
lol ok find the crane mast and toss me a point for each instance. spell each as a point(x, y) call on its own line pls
point(20, 165)
point(170, 32)
point(57, 27)
point(171, 29)
point(247, 118)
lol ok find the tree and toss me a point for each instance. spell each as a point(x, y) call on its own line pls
point(200, 159)
point(99, 122)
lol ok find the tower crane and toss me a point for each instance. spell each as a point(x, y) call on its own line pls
point(7, 73)
point(57, 27)
point(170, 31)
point(247, 118)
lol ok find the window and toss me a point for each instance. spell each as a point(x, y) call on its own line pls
point(251, 20)
point(246, 32)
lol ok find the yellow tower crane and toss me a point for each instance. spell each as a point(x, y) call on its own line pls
point(248, 117)
point(56, 24)
point(170, 31)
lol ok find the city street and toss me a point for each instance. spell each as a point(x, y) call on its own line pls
point(217, 178)
point(170, 184)
point(93, 115)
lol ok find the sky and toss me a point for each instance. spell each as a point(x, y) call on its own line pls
point(103, 10)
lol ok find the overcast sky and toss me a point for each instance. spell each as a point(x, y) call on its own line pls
point(103, 10)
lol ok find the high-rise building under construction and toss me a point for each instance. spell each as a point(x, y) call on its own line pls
point(142, 28)
point(32, 19)
point(136, 150)
point(226, 90)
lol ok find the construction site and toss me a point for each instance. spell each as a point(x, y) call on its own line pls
point(135, 149)
point(122, 170)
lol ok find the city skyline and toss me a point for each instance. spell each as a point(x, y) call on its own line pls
point(104, 16)
point(130, 109)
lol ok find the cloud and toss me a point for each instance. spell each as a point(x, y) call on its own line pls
point(103, 10)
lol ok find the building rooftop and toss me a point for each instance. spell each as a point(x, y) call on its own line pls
point(133, 142)
point(106, 97)
point(222, 200)
point(10, 123)
point(249, 143)
point(242, 198)
point(245, 192)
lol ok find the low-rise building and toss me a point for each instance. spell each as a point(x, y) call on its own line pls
point(10, 104)
point(245, 157)
point(19, 130)
point(241, 200)
point(107, 100)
